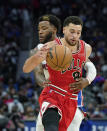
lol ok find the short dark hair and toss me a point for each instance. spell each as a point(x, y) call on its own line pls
point(73, 19)
point(52, 19)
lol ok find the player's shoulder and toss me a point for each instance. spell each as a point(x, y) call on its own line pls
point(88, 46)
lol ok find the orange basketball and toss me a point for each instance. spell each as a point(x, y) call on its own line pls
point(59, 57)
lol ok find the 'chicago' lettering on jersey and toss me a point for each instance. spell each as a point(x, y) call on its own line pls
point(74, 67)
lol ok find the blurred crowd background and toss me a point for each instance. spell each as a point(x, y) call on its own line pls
point(18, 34)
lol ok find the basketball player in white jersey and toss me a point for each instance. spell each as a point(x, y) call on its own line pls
point(48, 28)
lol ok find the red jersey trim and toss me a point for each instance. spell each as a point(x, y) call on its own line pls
point(58, 41)
point(63, 92)
point(81, 43)
point(78, 49)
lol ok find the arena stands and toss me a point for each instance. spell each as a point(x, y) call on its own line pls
point(17, 34)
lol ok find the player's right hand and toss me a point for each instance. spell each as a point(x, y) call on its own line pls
point(42, 54)
point(48, 45)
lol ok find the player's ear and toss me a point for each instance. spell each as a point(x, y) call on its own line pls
point(55, 30)
point(64, 30)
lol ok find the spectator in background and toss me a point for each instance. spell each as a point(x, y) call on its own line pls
point(6, 98)
point(90, 108)
point(29, 113)
point(105, 86)
point(97, 113)
point(16, 119)
point(3, 119)
point(16, 103)
point(11, 19)
point(103, 106)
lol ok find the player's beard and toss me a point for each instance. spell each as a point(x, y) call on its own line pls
point(70, 43)
point(48, 37)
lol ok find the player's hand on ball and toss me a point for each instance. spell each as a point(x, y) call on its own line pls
point(44, 49)
point(79, 84)
point(48, 45)
point(42, 54)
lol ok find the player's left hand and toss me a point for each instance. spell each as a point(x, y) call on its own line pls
point(79, 84)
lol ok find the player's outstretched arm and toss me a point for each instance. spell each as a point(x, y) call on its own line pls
point(34, 61)
point(37, 58)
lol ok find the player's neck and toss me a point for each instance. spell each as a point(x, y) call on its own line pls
point(53, 38)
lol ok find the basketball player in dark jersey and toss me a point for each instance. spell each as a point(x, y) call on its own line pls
point(50, 117)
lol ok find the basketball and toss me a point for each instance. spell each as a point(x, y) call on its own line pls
point(59, 57)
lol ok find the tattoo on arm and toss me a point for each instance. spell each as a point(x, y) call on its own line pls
point(39, 75)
